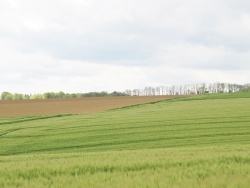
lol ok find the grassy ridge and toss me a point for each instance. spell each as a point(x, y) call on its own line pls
point(197, 142)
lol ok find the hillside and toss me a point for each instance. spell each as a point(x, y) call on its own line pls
point(196, 141)
point(39, 107)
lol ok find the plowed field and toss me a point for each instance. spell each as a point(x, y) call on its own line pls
point(70, 106)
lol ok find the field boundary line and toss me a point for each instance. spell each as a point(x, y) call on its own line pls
point(36, 118)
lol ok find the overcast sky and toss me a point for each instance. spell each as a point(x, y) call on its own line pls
point(95, 45)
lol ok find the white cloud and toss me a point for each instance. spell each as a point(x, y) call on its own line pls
point(83, 45)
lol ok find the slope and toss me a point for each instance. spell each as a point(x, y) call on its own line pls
point(193, 142)
point(180, 122)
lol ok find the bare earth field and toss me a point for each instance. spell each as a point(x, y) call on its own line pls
point(71, 106)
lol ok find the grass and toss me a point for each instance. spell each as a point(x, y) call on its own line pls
point(191, 142)
point(189, 167)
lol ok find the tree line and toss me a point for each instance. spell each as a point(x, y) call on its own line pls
point(58, 95)
point(190, 89)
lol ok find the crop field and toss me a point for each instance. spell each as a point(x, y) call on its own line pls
point(70, 106)
point(184, 142)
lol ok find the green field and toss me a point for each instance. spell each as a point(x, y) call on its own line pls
point(199, 141)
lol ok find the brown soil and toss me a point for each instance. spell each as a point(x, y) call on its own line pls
point(70, 106)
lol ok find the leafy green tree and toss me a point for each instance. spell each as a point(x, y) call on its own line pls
point(117, 93)
point(26, 96)
point(47, 95)
point(73, 95)
point(17, 96)
point(67, 95)
point(56, 96)
point(8, 97)
point(4, 94)
point(37, 96)
point(61, 94)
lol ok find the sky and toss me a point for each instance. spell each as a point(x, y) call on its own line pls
point(107, 45)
